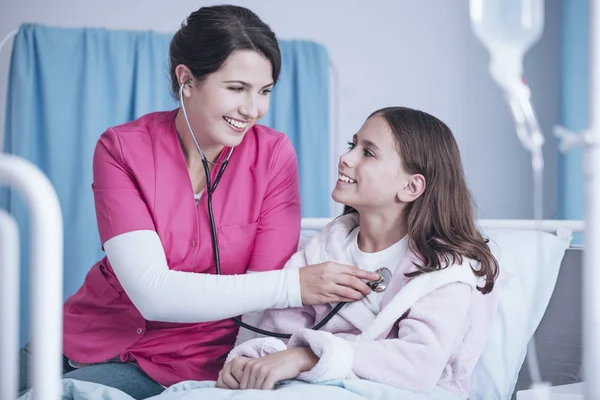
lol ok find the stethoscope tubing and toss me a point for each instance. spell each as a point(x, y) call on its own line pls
point(211, 187)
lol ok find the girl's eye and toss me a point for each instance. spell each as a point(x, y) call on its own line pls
point(366, 152)
point(236, 89)
point(266, 91)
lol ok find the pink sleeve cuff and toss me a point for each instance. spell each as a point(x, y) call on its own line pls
point(257, 348)
point(335, 355)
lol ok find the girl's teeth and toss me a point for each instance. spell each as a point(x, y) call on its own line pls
point(344, 178)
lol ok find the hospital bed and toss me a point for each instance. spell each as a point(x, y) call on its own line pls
point(46, 223)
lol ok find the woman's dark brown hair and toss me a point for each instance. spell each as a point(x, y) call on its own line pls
point(441, 223)
point(210, 34)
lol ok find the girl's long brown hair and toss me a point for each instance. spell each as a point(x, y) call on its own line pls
point(441, 223)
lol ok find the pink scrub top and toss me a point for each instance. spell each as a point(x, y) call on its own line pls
point(141, 182)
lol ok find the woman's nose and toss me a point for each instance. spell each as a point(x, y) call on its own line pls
point(249, 108)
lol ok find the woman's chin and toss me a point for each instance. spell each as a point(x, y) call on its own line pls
point(232, 141)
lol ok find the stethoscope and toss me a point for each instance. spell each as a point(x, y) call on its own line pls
point(377, 286)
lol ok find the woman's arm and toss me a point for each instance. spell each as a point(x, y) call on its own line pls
point(161, 294)
point(138, 258)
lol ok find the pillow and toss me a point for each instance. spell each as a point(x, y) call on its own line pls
point(523, 301)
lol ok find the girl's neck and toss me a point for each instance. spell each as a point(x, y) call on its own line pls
point(378, 231)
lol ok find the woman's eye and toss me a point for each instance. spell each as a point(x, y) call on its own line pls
point(236, 89)
point(351, 145)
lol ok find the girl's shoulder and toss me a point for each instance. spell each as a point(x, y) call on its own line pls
point(330, 239)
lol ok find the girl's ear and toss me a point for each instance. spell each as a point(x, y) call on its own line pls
point(414, 187)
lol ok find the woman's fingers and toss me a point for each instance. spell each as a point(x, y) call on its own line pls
point(343, 293)
point(358, 273)
point(355, 284)
point(332, 282)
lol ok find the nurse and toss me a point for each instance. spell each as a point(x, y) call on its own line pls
point(152, 313)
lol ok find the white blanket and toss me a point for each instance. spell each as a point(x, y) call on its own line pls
point(287, 390)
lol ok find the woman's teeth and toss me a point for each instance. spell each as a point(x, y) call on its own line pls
point(235, 123)
point(344, 178)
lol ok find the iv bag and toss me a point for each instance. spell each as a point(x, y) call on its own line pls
point(508, 28)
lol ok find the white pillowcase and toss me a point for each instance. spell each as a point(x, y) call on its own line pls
point(523, 301)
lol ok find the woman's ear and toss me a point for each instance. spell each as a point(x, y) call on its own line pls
point(185, 78)
point(413, 189)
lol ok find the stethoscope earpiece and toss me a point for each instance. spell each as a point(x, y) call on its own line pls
point(183, 84)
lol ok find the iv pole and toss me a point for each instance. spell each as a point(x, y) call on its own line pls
point(591, 260)
point(590, 140)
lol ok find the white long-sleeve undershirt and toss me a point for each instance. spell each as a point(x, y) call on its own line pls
point(160, 294)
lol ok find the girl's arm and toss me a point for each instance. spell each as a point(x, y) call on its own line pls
point(414, 361)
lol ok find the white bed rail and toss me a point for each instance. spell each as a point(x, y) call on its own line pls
point(9, 305)
point(46, 281)
point(591, 172)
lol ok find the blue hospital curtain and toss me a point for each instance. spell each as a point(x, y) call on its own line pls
point(300, 108)
point(66, 86)
point(574, 83)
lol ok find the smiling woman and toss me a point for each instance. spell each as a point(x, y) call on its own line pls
point(226, 103)
point(143, 318)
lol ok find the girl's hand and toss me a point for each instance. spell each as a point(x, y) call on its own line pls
point(230, 375)
point(263, 373)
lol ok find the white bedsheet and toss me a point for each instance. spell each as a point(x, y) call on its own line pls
point(287, 390)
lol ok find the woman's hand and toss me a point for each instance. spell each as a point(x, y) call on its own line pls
point(330, 282)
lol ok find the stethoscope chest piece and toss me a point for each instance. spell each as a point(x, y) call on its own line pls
point(380, 285)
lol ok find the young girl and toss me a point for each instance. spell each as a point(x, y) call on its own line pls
point(408, 209)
